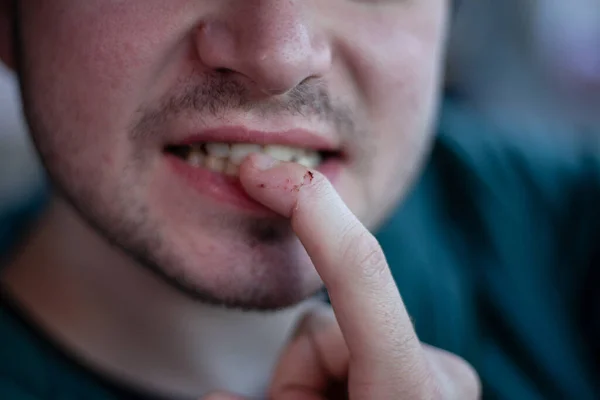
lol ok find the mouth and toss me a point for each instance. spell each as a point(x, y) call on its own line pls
point(210, 162)
point(226, 158)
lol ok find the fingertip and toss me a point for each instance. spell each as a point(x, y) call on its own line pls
point(260, 162)
point(276, 184)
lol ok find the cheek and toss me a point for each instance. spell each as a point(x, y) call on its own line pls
point(398, 74)
point(403, 77)
point(396, 64)
point(84, 81)
point(405, 108)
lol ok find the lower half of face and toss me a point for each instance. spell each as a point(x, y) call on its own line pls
point(142, 113)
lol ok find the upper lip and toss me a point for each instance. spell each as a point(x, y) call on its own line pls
point(299, 138)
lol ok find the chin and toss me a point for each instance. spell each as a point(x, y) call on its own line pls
point(259, 300)
point(271, 291)
point(261, 277)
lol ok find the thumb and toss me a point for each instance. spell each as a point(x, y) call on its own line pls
point(314, 362)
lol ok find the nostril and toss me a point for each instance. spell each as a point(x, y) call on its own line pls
point(224, 71)
point(274, 92)
point(308, 80)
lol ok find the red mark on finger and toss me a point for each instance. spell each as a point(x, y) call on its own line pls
point(308, 178)
point(288, 185)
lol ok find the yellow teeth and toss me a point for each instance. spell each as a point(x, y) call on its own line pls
point(226, 158)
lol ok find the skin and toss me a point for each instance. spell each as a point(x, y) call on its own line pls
point(107, 83)
point(97, 76)
point(368, 344)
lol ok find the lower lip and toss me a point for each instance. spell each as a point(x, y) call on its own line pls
point(229, 190)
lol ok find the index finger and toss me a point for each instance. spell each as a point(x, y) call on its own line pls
point(348, 258)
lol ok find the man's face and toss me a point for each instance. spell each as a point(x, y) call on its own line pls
point(126, 100)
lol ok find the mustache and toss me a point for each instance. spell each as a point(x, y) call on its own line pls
point(217, 95)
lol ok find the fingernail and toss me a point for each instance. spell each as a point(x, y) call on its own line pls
point(263, 162)
point(317, 319)
point(303, 326)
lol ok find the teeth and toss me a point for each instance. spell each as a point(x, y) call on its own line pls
point(215, 164)
point(231, 169)
point(196, 158)
point(239, 152)
point(226, 159)
point(283, 153)
point(310, 159)
point(220, 150)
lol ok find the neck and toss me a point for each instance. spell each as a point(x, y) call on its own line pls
point(123, 321)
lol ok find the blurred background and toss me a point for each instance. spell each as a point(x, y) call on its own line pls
point(20, 172)
point(529, 64)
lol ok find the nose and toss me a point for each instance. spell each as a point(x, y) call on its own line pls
point(272, 43)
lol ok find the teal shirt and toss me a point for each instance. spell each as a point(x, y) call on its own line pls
point(32, 367)
point(496, 253)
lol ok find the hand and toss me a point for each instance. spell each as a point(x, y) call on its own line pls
point(369, 350)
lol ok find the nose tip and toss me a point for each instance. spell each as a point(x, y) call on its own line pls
point(275, 48)
point(282, 67)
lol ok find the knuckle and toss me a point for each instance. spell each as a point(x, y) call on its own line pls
point(374, 263)
point(436, 392)
point(364, 250)
point(465, 379)
point(471, 383)
point(454, 378)
point(434, 389)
